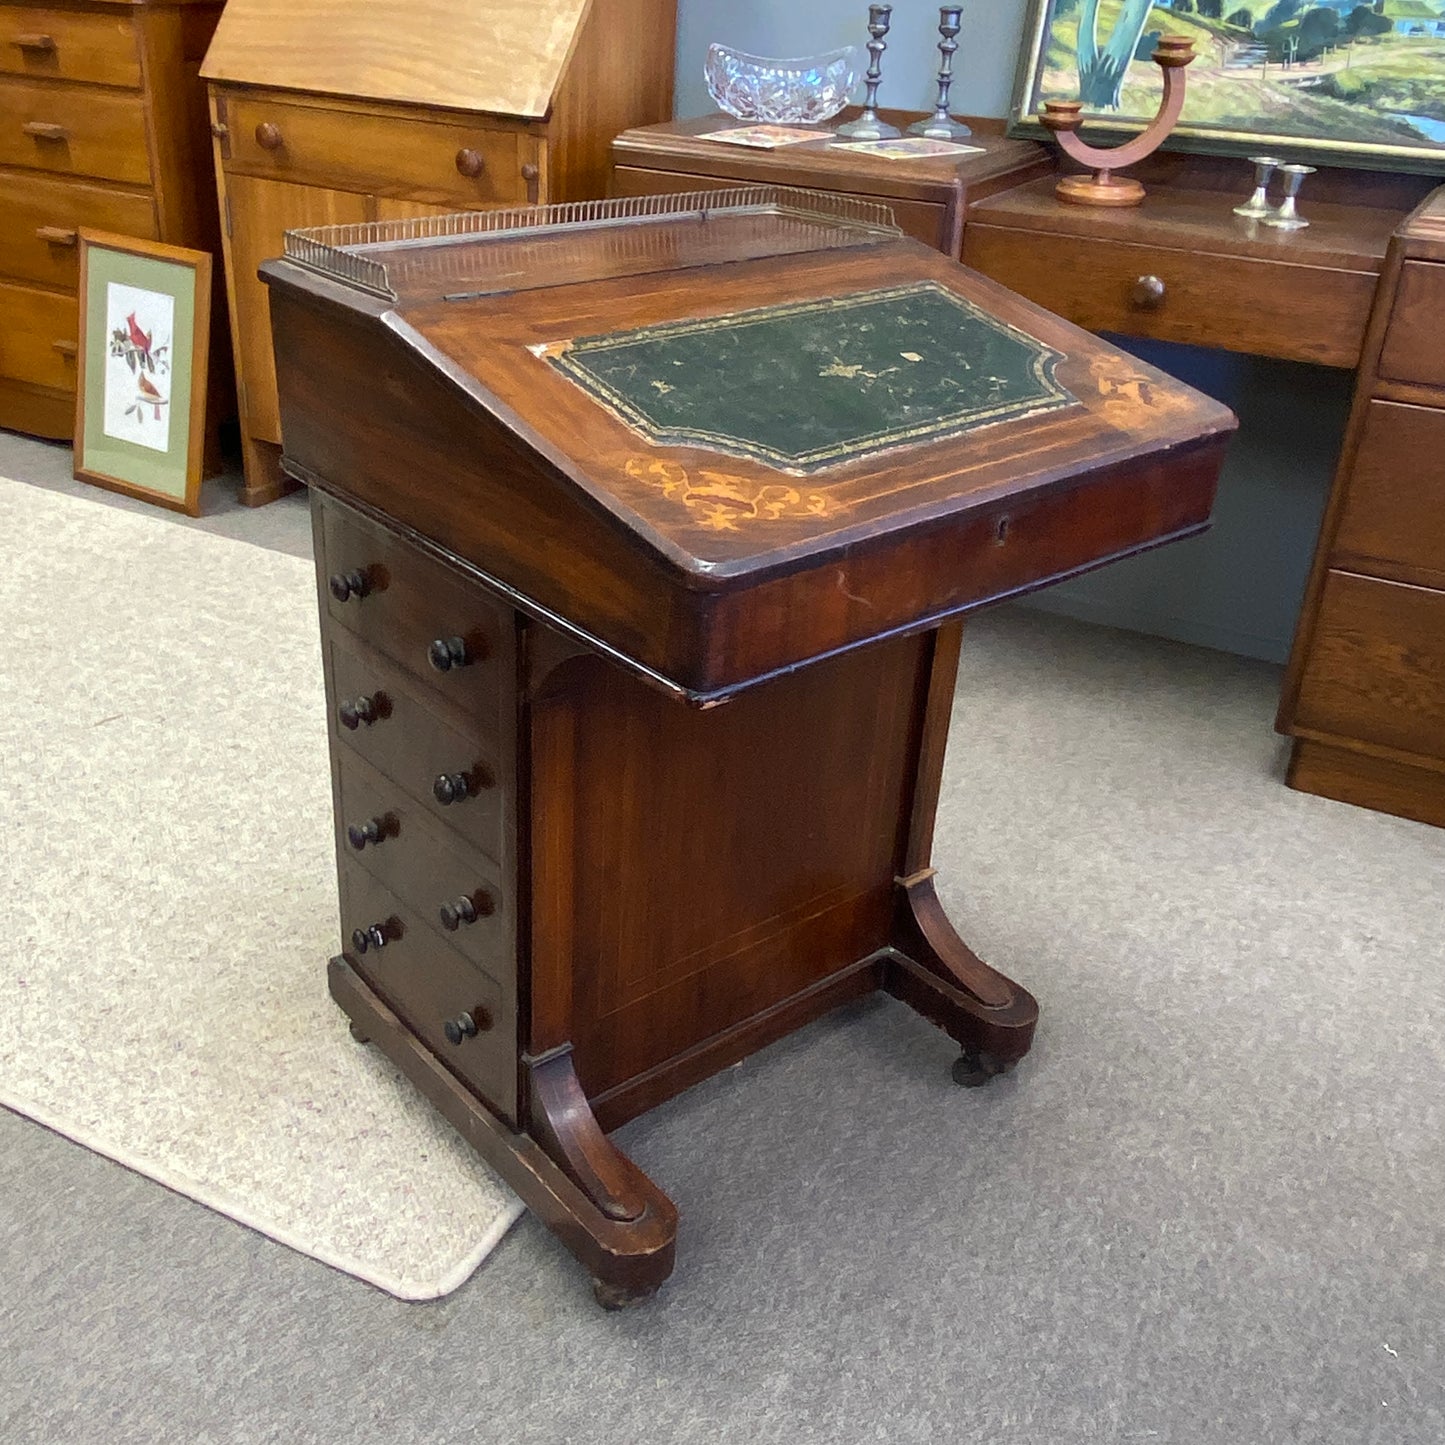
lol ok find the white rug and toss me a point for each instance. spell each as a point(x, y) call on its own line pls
point(169, 886)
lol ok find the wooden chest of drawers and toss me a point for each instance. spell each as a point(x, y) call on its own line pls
point(102, 125)
point(1364, 697)
point(346, 111)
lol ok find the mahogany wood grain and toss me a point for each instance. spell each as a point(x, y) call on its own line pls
point(1385, 784)
point(1412, 350)
point(97, 45)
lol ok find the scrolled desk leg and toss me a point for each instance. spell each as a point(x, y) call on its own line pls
point(934, 971)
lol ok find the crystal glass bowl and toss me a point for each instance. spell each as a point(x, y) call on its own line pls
point(781, 92)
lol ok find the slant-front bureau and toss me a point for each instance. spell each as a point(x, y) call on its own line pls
point(642, 531)
point(102, 124)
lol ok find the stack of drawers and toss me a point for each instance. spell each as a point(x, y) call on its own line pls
point(1365, 696)
point(102, 124)
point(420, 682)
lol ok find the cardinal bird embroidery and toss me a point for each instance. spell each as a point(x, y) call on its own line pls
point(149, 395)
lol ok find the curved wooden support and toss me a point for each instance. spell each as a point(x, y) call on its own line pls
point(946, 981)
point(627, 1258)
point(1103, 188)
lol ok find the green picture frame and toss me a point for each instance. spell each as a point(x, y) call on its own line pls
point(140, 414)
point(1331, 82)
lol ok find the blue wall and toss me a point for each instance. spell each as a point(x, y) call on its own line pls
point(1238, 587)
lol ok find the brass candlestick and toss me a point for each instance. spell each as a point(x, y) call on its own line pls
point(1104, 188)
point(869, 126)
point(940, 125)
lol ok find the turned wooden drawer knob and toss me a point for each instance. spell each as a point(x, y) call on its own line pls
point(377, 936)
point(467, 1025)
point(470, 163)
point(268, 136)
point(1147, 293)
point(451, 788)
point(359, 710)
point(530, 174)
point(466, 909)
point(346, 585)
point(373, 831)
point(448, 652)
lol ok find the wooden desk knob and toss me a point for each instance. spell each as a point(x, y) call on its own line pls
point(268, 136)
point(56, 235)
point(466, 909)
point(35, 44)
point(346, 585)
point(1148, 293)
point(45, 130)
point(359, 710)
point(467, 1025)
point(448, 652)
point(530, 174)
point(470, 163)
point(377, 936)
point(373, 831)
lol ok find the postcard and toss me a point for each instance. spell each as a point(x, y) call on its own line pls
point(765, 137)
point(909, 147)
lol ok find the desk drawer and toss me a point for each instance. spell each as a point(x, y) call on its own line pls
point(410, 602)
point(1376, 670)
point(1232, 302)
point(423, 865)
point(415, 747)
point(39, 218)
point(387, 154)
point(51, 44)
point(38, 337)
point(429, 985)
point(1414, 348)
point(71, 130)
point(1394, 507)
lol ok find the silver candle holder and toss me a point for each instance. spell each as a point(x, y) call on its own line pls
point(1258, 206)
point(940, 125)
point(869, 125)
point(1286, 218)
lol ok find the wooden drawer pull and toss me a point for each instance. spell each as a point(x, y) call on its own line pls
point(470, 163)
point(1147, 293)
point(268, 136)
point(45, 130)
point(66, 348)
point(530, 173)
point(55, 235)
point(39, 44)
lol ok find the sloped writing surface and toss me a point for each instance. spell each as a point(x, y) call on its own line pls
point(501, 56)
point(813, 384)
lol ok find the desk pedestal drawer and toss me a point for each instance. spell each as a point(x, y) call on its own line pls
point(1232, 302)
point(1376, 670)
point(49, 43)
point(466, 1018)
point(38, 337)
point(72, 130)
point(40, 217)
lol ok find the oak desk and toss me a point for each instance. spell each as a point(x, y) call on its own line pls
point(640, 569)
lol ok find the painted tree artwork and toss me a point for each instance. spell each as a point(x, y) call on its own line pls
point(1352, 81)
point(140, 325)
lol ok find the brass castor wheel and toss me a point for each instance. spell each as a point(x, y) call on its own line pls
point(974, 1070)
point(356, 1032)
point(621, 1297)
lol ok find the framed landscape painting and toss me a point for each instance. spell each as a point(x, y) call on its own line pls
point(144, 346)
point(1341, 82)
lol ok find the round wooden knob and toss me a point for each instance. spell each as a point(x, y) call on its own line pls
point(377, 936)
point(451, 788)
point(530, 172)
point(220, 129)
point(1147, 293)
point(466, 909)
point(358, 710)
point(346, 585)
point(268, 136)
point(373, 831)
point(470, 163)
point(448, 652)
point(467, 1025)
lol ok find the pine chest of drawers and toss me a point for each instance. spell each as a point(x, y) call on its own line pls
point(102, 125)
point(638, 715)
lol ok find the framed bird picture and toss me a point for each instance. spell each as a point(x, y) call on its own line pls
point(145, 311)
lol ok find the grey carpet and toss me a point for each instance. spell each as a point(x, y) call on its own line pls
point(1207, 1210)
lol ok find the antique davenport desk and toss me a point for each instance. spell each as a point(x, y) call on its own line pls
point(643, 529)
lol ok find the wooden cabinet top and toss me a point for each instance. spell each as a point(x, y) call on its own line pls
point(729, 406)
point(505, 57)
